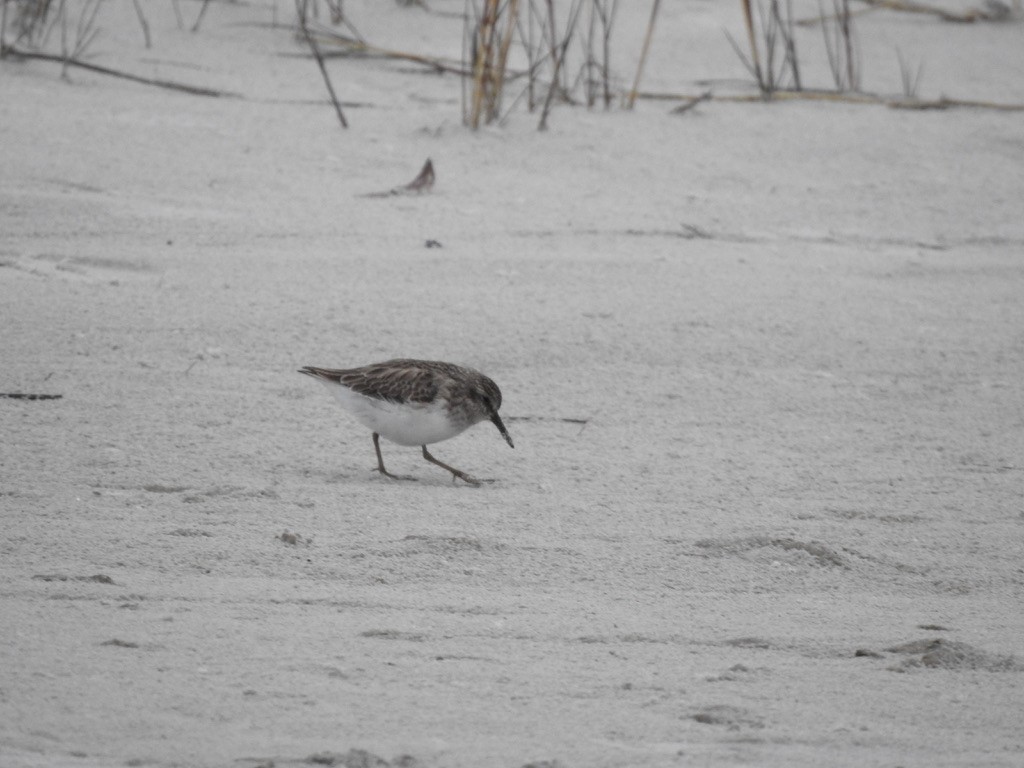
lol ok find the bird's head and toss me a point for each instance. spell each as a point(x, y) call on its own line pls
point(489, 397)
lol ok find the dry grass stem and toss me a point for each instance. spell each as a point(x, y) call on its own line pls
point(143, 23)
point(494, 29)
point(202, 13)
point(506, 42)
point(606, 14)
point(909, 79)
point(482, 49)
point(776, 29)
point(489, 38)
point(755, 58)
point(643, 53)
point(558, 50)
point(3, 28)
point(302, 8)
point(85, 32)
point(841, 47)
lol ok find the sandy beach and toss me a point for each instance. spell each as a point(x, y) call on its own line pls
point(762, 364)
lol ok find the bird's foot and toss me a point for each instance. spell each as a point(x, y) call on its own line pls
point(465, 478)
point(460, 475)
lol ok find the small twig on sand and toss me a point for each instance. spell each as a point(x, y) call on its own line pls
point(192, 89)
point(966, 17)
point(690, 103)
point(944, 103)
point(564, 420)
point(848, 98)
point(29, 396)
point(996, 12)
point(358, 46)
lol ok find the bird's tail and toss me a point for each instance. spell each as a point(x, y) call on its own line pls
point(325, 374)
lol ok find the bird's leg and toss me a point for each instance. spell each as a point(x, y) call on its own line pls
point(455, 472)
point(380, 461)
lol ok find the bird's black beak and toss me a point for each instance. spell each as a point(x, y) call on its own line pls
point(496, 419)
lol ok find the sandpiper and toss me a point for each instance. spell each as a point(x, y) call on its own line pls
point(415, 402)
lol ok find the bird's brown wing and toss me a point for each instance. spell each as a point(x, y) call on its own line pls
point(397, 381)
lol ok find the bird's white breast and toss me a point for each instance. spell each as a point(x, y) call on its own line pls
point(402, 423)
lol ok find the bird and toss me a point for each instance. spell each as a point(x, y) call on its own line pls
point(415, 402)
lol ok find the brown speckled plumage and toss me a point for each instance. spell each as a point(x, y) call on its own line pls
point(410, 381)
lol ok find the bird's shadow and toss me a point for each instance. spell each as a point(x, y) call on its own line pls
point(475, 482)
point(376, 478)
